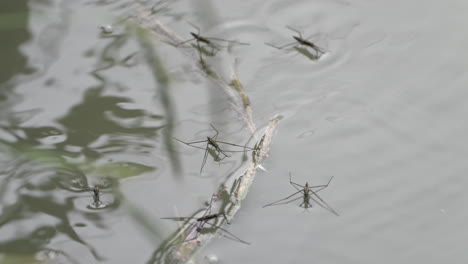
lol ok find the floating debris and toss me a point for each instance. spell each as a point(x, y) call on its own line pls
point(106, 29)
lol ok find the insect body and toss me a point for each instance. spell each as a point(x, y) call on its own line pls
point(213, 147)
point(208, 41)
point(299, 40)
point(97, 203)
point(307, 193)
point(96, 196)
point(198, 225)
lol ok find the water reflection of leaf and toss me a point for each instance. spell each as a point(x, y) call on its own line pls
point(52, 158)
point(120, 170)
point(41, 156)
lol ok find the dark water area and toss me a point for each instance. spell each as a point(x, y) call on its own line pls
point(14, 30)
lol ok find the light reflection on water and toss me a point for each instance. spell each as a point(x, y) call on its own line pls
point(380, 111)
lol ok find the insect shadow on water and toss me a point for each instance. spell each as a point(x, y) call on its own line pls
point(307, 193)
point(213, 148)
point(205, 67)
point(197, 226)
point(301, 41)
point(210, 42)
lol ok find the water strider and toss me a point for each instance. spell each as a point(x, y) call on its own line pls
point(307, 193)
point(96, 192)
point(198, 225)
point(208, 41)
point(212, 146)
point(300, 41)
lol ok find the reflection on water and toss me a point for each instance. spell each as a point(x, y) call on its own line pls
point(85, 142)
point(13, 29)
point(38, 182)
point(59, 177)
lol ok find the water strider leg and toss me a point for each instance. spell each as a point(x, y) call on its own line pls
point(231, 144)
point(276, 202)
point(295, 185)
point(232, 236)
point(320, 186)
point(191, 143)
point(217, 132)
point(286, 202)
point(229, 41)
point(183, 42)
point(295, 30)
point(204, 158)
point(324, 205)
point(281, 47)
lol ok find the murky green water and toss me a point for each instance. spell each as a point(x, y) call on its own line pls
point(382, 110)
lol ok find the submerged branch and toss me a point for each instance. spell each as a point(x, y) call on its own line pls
point(177, 248)
point(146, 20)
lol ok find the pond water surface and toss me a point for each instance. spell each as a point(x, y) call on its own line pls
point(383, 111)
